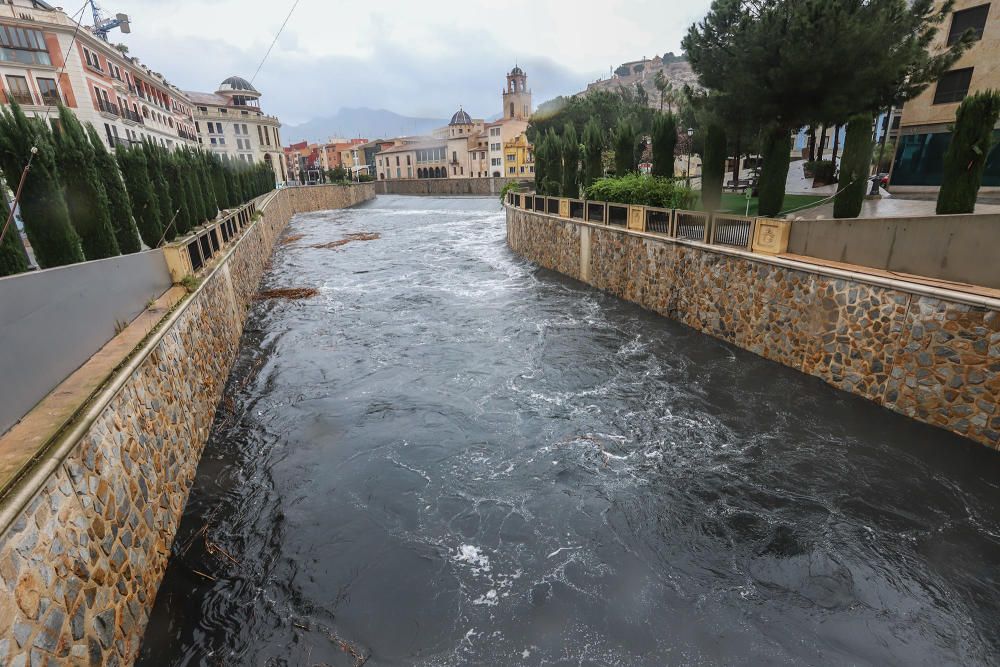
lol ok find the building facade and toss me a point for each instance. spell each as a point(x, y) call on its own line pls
point(42, 65)
point(924, 127)
point(46, 59)
point(467, 147)
point(231, 124)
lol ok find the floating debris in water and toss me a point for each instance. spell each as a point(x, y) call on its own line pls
point(291, 239)
point(359, 236)
point(287, 293)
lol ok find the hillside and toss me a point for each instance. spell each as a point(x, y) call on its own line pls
point(360, 122)
point(676, 69)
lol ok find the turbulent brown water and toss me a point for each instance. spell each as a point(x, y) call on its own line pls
point(452, 457)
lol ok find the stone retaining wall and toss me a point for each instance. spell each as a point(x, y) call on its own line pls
point(445, 186)
point(923, 353)
point(81, 561)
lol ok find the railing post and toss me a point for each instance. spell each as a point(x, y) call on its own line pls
point(564, 208)
point(771, 236)
point(636, 218)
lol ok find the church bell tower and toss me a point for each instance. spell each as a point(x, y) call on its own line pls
point(517, 97)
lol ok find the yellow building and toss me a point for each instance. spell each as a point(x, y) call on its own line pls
point(519, 157)
point(924, 132)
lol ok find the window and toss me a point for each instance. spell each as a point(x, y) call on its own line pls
point(953, 86)
point(398, 173)
point(17, 89)
point(49, 91)
point(407, 160)
point(23, 46)
point(511, 158)
point(973, 19)
point(511, 171)
point(92, 59)
point(245, 130)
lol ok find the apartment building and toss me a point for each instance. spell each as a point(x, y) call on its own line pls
point(924, 126)
point(42, 65)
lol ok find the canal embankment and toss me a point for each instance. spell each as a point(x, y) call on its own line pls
point(90, 507)
point(475, 187)
point(923, 349)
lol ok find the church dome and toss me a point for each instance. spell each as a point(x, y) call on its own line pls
point(517, 71)
point(237, 84)
point(461, 118)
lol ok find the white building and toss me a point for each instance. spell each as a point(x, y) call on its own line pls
point(230, 123)
point(41, 65)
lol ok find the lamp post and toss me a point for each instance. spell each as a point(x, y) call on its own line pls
point(690, 134)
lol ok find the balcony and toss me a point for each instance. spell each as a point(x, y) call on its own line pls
point(108, 107)
point(131, 116)
point(22, 98)
point(51, 99)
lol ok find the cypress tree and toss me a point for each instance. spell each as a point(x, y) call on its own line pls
point(155, 155)
point(145, 207)
point(553, 180)
point(219, 181)
point(664, 144)
point(86, 199)
point(190, 194)
point(965, 159)
point(12, 256)
point(183, 222)
point(854, 166)
point(593, 149)
point(713, 167)
point(541, 163)
point(232, 183)
point(571, 162)
point(43, 209)
point(118, 200)
point(774, 172)
point(206, 175)
point(625, 161)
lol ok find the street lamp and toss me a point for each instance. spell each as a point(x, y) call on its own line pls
point(690, 134)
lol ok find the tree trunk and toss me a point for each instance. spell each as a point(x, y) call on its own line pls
point(812, 143)
point(736, 163)
point(836, 145)
point(822, 143)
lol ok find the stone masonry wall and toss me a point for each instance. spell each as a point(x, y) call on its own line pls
point(81, 564)
point(444, 186)
point(931, 359)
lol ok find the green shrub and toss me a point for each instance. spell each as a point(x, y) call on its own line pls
point(625, 141)
point(965, 159)
point(365, 178)
point(854, 166)
point(824, 171)
point(640, 189)
point(509, 186)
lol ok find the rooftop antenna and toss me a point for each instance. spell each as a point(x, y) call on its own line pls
point(103, 26)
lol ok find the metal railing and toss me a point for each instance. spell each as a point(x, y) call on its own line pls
point(691, 225)
point(732, 230)
point(722, 229)
point(596, 211)
point(24, 99)
point(618, 215)
point(658, 221)
point(107, 107)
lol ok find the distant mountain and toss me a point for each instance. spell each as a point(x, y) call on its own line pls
point(360, 122)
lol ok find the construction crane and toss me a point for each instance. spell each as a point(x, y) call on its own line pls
point(103, 26)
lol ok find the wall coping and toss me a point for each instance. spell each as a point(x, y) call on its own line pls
point(859, 275)
point(50, 455)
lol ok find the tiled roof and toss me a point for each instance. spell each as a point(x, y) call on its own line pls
point(206, 98)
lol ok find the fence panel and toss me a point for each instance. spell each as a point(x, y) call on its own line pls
point(596, 212)
point(691, 225)
point(658, 221)
point(528, 202)
point(576, 209)
point(552, 206)
point(618, 215)
point(540, 204)
point(732, 230)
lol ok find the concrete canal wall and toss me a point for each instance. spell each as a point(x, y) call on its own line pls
point(445, 186)
point(930, 354)
point(86, 532)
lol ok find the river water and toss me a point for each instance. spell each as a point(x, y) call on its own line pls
point(452, 457)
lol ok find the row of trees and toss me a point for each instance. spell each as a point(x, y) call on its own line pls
point(760, 63)
point(80, 202)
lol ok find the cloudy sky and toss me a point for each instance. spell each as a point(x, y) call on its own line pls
point(415, 57)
